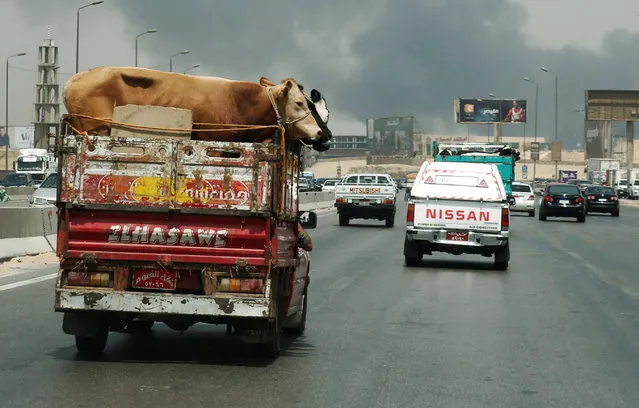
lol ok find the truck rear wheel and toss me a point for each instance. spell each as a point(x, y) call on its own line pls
point(390, 221)
point(343, 219)
point(502, 256)
point(92, 346)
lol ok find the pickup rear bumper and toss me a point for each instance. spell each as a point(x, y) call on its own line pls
point(372, 207)
point(160, 303)
point(438, 237)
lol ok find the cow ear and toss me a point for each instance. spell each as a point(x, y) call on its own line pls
point(264, 81)
point(316, 96)
point(286, 87)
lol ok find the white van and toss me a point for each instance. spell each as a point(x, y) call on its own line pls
point(458, 208)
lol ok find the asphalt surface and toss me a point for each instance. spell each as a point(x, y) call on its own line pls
point(560, 328)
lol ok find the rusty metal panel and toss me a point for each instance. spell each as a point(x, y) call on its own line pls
point(171, 174)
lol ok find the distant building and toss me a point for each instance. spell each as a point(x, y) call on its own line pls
point(347, 146)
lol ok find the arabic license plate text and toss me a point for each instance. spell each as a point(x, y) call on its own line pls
point(154, 279)
point(457, 236)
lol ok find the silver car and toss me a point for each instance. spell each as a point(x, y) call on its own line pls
point(46, 193)
point(524, 198)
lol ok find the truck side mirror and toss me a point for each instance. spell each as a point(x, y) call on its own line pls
point(308, 220)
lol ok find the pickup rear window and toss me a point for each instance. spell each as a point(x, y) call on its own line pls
point(367, 180)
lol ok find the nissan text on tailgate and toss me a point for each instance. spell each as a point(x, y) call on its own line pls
point(458, 208)
point(367, 196)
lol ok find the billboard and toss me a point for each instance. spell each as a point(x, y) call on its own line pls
point(387, 136)
point(490, 110)
point(17, 137)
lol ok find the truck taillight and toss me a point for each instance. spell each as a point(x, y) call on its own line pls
point(340, 200)
point(241, 285)
point(410, 214)
point(99, 279)
point(388, 201)
point(505, 218)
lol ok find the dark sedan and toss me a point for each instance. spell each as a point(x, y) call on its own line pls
point(562, 200)
point(602, 199)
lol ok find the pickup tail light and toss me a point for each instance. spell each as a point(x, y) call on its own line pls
point(97, 279)
point(547, 199)
point(340, 200)
point(241, 285)
point(579, 200)
point(410, 214)
point(505, 219)
point(388, 201)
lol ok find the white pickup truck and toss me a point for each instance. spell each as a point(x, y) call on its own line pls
point(367, 196)
point(458, 208)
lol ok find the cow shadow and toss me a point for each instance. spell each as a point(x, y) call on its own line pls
point(199, 345)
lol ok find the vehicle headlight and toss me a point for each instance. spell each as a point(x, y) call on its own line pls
point(39, 200)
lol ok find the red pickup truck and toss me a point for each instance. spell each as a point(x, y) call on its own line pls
point(180, 232)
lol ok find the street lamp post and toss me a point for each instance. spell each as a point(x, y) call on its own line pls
point(6, 109)
point(149, 31)
point(175, 55)
point(191, 68)
point(536, 110)
point(544, 69)
point(77, 33)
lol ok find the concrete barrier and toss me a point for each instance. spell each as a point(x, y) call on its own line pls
point(315, 196)
point(20, 191)
point(27, 231)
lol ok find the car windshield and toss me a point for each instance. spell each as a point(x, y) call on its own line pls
point(16, 178)
point(330, 182)
point(600, 190)
point(563, 189)
point(521, 188)
point(50, 182)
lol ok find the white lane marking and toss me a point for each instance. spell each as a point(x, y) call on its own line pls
point(603, 276)
point(27, 282)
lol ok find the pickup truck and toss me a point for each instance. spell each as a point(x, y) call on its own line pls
point(181, 232)
point(458, 208)
point(366, 196)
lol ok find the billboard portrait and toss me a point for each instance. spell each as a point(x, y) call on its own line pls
point(4, 137)
point(387, 136)
point(490, 110)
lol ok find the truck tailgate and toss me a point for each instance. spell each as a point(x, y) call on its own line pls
point(458, 215)
point(158, 237)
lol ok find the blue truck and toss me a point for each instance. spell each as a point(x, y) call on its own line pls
point(502, 155)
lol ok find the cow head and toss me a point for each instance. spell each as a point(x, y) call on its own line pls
point(307, 116)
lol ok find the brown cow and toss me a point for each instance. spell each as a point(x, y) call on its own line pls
point(212, 100)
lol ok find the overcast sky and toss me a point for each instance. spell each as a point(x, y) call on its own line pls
point(370, 58)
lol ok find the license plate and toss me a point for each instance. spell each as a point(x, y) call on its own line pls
point(154, 279)
point(457, 236)
point(564, 201)
point(364, 202)
point(602, 199)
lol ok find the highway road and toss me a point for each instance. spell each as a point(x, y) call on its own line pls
point(559, 329)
